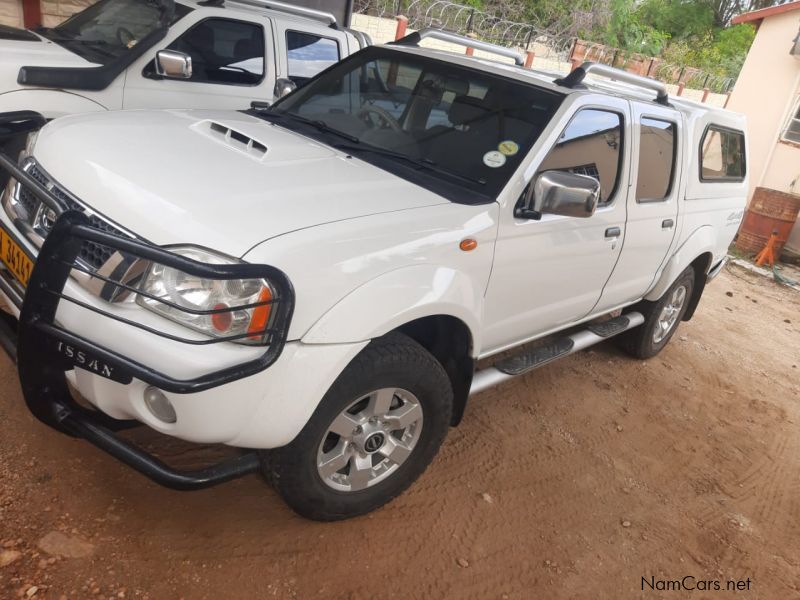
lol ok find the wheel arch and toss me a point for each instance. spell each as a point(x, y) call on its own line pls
point(449, 340)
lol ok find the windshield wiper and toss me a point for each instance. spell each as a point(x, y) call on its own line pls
point(315, 123)
point(422, 163)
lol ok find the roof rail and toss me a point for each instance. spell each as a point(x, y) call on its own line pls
point(415, 38)
point(300, 11)
point(575, 78)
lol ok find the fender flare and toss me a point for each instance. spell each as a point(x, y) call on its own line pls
point(701, 241)
point(398, 297)
point(50, 103)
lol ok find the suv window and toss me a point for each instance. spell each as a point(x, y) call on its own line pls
point(308, 54)
point(224, 51)
point(656, 159)
point(722, 155)
point(591, 144)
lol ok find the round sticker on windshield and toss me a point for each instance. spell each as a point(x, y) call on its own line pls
point(508, 147)
point(494, 159)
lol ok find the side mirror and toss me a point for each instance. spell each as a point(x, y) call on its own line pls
point(559, 193)
point(170, 63)
point(283, 87)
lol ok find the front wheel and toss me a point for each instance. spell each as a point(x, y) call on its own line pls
point(373, 434)
point(661, 318)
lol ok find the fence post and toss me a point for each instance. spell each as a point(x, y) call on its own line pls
point(650, 66)
point(575, 62)
point(705, 94)
point(681, 85)
point(529, 55)
point(402, 25)
point(727, 97)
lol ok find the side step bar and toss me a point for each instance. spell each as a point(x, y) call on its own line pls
point(513, 366)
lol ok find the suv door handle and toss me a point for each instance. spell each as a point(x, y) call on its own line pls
point(667, 223)
point(613, 232)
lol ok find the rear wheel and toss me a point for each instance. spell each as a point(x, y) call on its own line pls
point(661, 318)
point(373, 434)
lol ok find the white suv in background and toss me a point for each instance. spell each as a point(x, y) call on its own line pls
point(122, 54)
point(316, 283)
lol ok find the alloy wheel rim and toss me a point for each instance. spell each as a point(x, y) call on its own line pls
point(370, 439)
point(669, 314)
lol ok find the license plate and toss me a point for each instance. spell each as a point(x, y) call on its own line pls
point(14, 258)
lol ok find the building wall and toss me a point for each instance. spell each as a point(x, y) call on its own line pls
point(53, 11)
point(11, 12)
point(766, 92)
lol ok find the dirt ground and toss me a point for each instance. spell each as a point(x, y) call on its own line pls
point(576, 481)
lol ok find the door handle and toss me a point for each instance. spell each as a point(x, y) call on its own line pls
point(667, 223)
point(613, 232)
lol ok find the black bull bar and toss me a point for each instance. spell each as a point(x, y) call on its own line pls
point(35, 341)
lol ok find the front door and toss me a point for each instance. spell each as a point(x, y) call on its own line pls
point(551, 272)
point(230, 67)
point(652, 204)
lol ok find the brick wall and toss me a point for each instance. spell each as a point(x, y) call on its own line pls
point(11, 12)
point(55, 11)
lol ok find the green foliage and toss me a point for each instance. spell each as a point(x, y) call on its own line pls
point(682, 32)
point(717, 51)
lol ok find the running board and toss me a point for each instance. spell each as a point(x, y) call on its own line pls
point(513, 366)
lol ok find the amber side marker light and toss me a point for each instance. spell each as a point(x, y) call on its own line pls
point(468, 244)
point(260, 318)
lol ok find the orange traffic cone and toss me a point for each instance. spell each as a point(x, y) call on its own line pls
point(768, 253)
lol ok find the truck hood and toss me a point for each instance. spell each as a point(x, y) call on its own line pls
point(220, 179)
point(23, 53)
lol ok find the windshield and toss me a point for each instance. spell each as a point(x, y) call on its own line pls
point(105, 30)
point(458, 131)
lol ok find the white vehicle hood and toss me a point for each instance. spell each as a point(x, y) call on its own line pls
point(15, 54)
point(178, 177)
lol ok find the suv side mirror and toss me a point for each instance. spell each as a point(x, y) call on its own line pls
point(559, 193)
point(170, 63)
point(283, 87)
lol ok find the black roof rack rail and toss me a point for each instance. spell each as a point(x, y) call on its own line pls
point(575, 78)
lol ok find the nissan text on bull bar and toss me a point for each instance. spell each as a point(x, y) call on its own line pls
point(315, 283)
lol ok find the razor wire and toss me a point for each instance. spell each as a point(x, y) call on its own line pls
point(555, 42)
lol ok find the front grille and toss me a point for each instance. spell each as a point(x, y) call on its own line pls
point(93, 255)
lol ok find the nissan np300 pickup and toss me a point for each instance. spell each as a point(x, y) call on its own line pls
point(315, 283)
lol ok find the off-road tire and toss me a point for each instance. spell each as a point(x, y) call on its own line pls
point(394, 360)
point(639, 341)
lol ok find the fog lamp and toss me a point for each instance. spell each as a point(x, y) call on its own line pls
point(159, 405)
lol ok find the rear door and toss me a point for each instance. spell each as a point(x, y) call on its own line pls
point(305, 51)
point(652, 206)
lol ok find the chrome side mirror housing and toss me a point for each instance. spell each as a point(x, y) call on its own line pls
point(173, 64)
point(283, 87)
point(559, 193)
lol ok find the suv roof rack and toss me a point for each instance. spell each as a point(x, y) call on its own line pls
point(413, 39)
point(292, 9)
point(575, 78)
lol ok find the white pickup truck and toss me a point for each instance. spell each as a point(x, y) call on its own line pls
point(315, 283)
point(165, 54)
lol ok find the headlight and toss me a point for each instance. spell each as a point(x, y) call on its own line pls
point(196, 294)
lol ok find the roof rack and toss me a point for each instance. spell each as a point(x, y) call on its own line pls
point(575, 78)
point(300, 11)
point(413, 39)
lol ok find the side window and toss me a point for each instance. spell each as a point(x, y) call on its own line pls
point(224, 51)
point(656, 159)
point(309, 54)
point(722, 155)
point(590, 145)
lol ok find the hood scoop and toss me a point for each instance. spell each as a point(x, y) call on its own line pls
point(233, 138)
